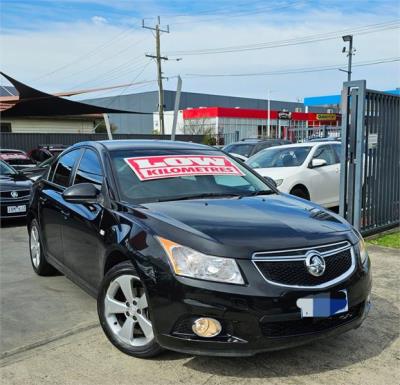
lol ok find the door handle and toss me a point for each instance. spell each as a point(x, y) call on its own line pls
point(65, 213)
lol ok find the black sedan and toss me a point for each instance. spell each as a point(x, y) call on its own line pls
point(187, 249)
point(15, 192)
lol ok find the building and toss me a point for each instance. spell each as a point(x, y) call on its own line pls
point(42, 125)
point(147, 102)
point(333, 102)
point(55, 124)
point(233, 124)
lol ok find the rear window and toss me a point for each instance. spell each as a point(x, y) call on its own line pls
point(244, 149)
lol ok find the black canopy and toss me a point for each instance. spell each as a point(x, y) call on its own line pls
point(33, 102)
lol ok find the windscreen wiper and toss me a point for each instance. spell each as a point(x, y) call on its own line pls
point(199, 196)
point(261, 192)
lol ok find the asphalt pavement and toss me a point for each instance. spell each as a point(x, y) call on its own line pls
point(50, 335)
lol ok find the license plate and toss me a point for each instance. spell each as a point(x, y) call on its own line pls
point(16, 209)
point(324, 304)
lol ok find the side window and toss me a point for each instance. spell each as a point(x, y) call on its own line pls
point(64, 168)
point(89, 169)
point(338, 151)
point(325, 152)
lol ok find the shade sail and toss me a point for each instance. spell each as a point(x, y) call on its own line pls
point(33, 102)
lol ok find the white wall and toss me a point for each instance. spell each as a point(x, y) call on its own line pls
point(168, 120)
point(72, 126)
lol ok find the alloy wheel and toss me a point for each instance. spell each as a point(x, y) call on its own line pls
point(126, 311)
point(35, 246)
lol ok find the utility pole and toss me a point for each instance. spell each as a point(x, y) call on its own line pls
point(158, 58)
point(350, 54)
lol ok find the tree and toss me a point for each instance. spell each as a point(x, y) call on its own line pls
point(101, 127)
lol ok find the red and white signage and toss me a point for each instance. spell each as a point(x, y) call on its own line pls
point(171, 166)
point(11, 155)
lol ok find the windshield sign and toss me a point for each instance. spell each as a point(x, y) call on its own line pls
point(157, 167)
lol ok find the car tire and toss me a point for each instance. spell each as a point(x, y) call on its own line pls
point(124, 314)
point(38, 259)
point(300, 192)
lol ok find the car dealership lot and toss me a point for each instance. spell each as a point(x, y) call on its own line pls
point(50, 335)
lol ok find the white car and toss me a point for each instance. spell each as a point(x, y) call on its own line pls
point(308, 170)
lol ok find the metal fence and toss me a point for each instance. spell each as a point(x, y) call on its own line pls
point(302, 134)
point(28, 141)
point(370, 165)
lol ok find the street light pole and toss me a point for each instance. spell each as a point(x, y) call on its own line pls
point(350, 54)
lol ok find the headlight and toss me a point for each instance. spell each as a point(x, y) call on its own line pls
point(278, 182)
point(191, 263)
point(362, 250)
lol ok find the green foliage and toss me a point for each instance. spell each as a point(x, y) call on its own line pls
point(101, 128)
point(387, 240)
point(209, 139)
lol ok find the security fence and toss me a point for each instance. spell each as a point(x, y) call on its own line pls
point(370, 164)
point(28, 141)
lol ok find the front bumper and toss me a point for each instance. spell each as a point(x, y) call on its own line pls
point(15, 202)
point(255, 318)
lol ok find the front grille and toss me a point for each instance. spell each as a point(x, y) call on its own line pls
point(288, 268)
point(309, 325)
point(21, 194)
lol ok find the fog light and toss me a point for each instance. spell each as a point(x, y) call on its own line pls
point(206, 327)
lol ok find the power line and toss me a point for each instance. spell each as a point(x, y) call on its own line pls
point(295, 41)
point(132, 82)
point(296, 70)
point(92, 52)
point(107, 58)
point(117, 71)
point(218, 14)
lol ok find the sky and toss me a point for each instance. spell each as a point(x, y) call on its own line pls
point(289, 48)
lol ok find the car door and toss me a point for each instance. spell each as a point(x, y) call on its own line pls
point(325, 179)
point(51, 204)
point(82, 241)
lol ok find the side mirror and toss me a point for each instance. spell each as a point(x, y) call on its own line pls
point(270, 181)
point(81, 193)
point(316, 162)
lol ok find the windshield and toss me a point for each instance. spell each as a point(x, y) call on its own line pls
point(279, 157)
point(5, 169)
point(243, 149)
point(143, 175)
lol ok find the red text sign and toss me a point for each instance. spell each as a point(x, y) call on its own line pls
point(11, 156)
point(170, 166)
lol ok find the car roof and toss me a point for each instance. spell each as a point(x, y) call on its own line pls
point(128, 144)
point(11, 150)
point(305, 144)
point(256, 141)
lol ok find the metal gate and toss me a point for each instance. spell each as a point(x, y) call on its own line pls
point(370, 164)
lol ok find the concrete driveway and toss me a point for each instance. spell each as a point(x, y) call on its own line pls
point(50, 335)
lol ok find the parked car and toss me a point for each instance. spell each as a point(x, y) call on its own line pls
point(187, 249)
point(34, 173)
point(17, 159)
point(46, 151)
point(308, 170)
point(248, 147)
point(328, 139)
point(15, 190)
